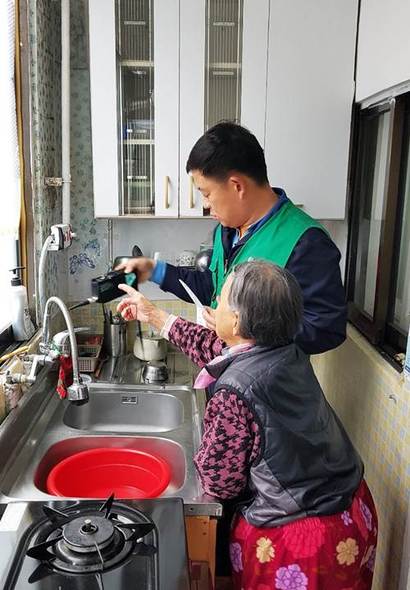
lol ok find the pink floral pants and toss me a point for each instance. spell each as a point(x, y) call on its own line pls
point(317, 553)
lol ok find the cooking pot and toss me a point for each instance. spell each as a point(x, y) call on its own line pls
point(155, 372)
point(150, 348)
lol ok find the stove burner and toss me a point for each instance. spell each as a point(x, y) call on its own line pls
point(84, 534)
point(86, 540)
point(90, 544)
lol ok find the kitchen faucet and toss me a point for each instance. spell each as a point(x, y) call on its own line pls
point(50, 348)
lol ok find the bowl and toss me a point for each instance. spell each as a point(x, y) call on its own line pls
point(155, 372)
point(98, 473)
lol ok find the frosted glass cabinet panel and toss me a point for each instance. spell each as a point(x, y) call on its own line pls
point(223, 60)
point(134, 94)
point(217, 71)
point(135, 50)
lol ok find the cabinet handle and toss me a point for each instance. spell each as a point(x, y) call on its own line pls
point(166, 193)
point(191, 193)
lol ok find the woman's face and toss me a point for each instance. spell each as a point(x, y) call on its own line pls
point(227, 323)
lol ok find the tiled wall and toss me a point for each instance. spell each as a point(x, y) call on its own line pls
point(374, 406)
point(88, 256)
point(45, 58)
point(91, 316)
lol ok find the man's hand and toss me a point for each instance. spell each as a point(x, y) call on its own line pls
point(209, 316)
point(138, 307)
point(142, 267)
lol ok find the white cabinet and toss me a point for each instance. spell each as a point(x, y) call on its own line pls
point(223, 74)
point(134, 68)
point(310, 92)
point(163, 71)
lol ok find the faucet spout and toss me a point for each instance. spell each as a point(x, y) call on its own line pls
point(78, 391)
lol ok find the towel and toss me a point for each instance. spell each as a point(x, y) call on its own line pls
point(65, 375)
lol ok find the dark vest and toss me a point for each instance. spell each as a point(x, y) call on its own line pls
point(307, 464)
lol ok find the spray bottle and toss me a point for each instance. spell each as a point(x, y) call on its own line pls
point(23, 328)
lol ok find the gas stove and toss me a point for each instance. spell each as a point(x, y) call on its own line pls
point(91, 545)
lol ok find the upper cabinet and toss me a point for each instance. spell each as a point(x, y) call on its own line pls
point(223, 58)
point(310, 90)
point(164, 71)
point(134, 69)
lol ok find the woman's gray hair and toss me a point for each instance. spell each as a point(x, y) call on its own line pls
point(269, 302)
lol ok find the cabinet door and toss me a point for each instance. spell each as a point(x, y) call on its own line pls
point(166, 70)
point(104, 115)
point(192, 97)
point(309, 101)
point(210, 78)
point(254, 64)
point(134, 106)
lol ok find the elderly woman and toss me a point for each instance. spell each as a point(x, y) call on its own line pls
point(309, 520)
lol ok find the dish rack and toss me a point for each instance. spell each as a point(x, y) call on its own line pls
point(88, 356)
point(89, 350)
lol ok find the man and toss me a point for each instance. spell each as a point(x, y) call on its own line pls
point(256, 222)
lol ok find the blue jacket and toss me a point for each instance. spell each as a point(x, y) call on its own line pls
point(315, 264)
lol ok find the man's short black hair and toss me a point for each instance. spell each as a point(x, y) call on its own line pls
point(226, 148)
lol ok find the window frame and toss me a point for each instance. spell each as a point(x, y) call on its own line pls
point(377, 329)
point(26, 234)
point(394, 339)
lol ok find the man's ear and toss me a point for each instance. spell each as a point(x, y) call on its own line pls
point(238, 183)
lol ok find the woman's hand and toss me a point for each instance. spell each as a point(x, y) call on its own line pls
point(138, 307)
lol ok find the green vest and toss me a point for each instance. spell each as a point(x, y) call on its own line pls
point(274, 241)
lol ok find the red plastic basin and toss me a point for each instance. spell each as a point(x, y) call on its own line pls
point(98, 473)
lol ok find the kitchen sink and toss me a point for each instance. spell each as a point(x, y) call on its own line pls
point(166, 449)
point(126, 411)
point(161, 419)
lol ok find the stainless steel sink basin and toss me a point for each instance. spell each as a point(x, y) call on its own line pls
point(162, 419)
point(167, 449)
point(125, 411)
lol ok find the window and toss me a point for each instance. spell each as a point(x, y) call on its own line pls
point(378, 273)
point(10, 175)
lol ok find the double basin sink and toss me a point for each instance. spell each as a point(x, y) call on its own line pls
point(163, 420)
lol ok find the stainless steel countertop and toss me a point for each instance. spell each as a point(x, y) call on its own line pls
point(37, 424)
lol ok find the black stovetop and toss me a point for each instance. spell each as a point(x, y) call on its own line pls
point(94, 545)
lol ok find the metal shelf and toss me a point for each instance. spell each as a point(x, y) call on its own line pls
point(138, 142)
point(133, 63)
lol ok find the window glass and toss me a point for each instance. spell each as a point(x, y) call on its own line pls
point(10, 188)
point(401, 308)
point(374, 158)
